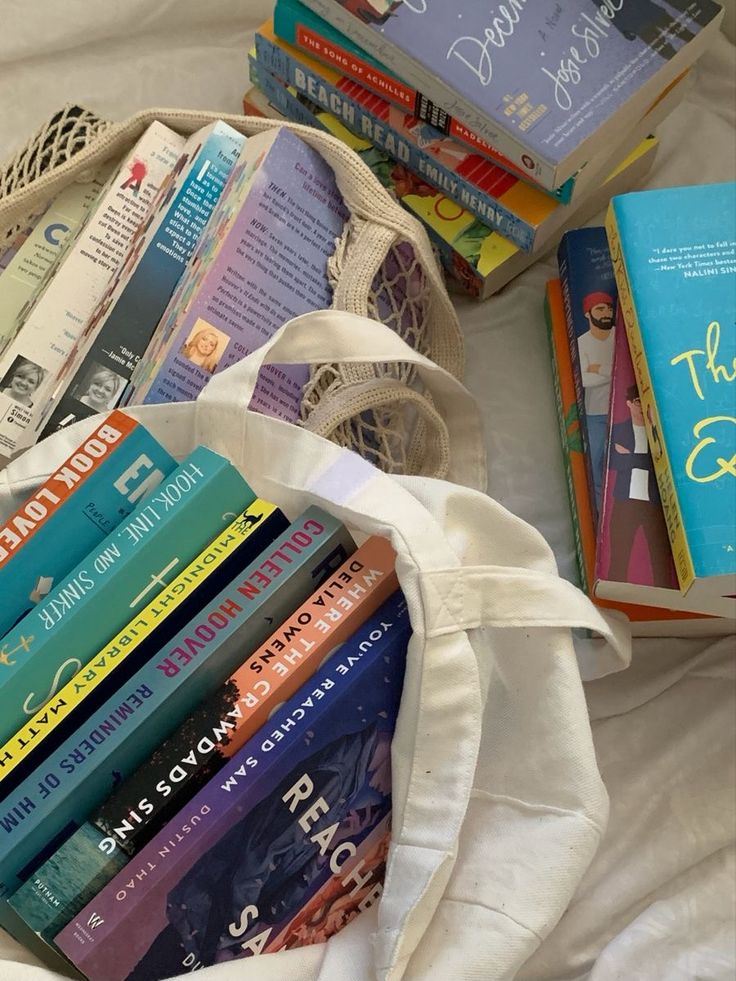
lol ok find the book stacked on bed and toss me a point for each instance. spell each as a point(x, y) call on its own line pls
point(199, 696)
point(644, 353)
point(190, 256)
point(497, 129)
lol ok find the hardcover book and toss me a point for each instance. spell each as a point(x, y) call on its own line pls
point(262, 261)
point(108, 588)
point(633, 556)
point(644, 620)
point(589, 290)
point(142, 636)
point(476, 259)
point(299, 26)
point(69, 515)
point(546, 87)
point(75, 778)
point(121, 327)
point(206, 741)
point(27, 266)
point(288, 841)
point(674, 253)
point(30, 364)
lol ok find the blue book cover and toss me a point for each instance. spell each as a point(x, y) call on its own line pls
point(125, 320)
point(78, 505)
point(293, 830)
point(674, 252)
point(590, 297)
point(112, 585)
point(41, 813)
point(544, 84)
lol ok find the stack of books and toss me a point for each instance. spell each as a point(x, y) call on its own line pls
point(498, 129)
point(641, 324)
point(199, 696)
point(140, 285)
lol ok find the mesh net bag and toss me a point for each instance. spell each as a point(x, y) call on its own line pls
point(383, 268)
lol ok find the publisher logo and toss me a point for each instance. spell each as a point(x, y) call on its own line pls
point(528, 162)
point(94, 921)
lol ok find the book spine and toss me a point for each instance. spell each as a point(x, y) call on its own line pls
point(300, 27)
point(56, 321)
point(570, 430)
point(71, 513)
point(262, 792)
point(435, 90)
point(146, 630)
point(130, 568)
point(665, 479)
point(206, 741)
point(362, 122)
point(564, 266)
point(72, 781)
point(160, 255)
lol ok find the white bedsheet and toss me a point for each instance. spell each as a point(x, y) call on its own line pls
point(659, 901)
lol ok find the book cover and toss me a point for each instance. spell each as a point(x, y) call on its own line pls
point(112, 584)
point(522, 213)
point(674, 253)
point(75, 508)
point(262, 261)
point(121, 327)
point(75, 778)
point(30, 364)
point(28, 264)
point(589, 290)
point(302, 28)
point(476, 259)
point(645, 620)
point(11, 245)
point(233, 545)
point(546, 87)
point(206, 741)
point(279, 828)
point(633, 555)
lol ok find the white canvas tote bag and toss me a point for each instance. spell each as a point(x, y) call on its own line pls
point(498, 805)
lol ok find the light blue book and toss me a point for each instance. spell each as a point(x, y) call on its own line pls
point(130, 313)
point(116, 580)
point(79, 504)
point(59, 796)
point(674, 255)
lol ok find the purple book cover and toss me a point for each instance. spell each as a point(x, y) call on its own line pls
point(633, 545)
point(547, 75)
point(262, 261)
point(286, 821)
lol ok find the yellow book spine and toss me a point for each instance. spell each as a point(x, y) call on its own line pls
point(30, 736)
point(665, 480)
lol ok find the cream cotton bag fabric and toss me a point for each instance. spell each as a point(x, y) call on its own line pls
point(498, 803)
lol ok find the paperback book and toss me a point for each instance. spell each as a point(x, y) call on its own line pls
point(291, 837)
point(108, 589)
point(476, 260)
point(206, 741)
point(545, 87)
point(30, 364)
point(262, 261)
point(73, 780)
point(69, 515)
point(674, 254)
point(121, 327)
point(589, 290)
point(143, 635)
point(633, 556)
point(30, 262)
point(644, 620)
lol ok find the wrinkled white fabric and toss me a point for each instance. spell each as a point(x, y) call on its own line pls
point(658, 899)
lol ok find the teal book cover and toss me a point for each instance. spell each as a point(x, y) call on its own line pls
point(674, 251)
